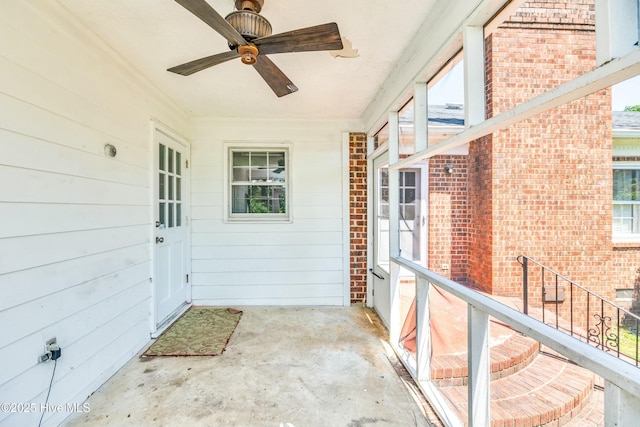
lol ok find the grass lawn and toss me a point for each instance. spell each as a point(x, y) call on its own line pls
point(629, 343)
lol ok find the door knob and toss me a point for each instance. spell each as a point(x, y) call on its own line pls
point(159, 239)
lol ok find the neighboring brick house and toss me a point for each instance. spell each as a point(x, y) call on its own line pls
point(543, 187)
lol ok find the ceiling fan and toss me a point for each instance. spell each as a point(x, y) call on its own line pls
point(249, 37)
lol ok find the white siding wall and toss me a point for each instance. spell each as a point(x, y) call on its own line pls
point(297, 263)
point(74, 224)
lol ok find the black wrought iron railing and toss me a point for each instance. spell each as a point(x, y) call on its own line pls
point(559, 302)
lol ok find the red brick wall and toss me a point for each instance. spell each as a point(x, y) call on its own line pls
point(625, 271)
point(358, 215)
point(480, 214)
point(543, 187)
point(448, 217)
point(549, 14)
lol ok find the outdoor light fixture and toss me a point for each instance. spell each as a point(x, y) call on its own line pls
point(448, 168)
point(110, 150)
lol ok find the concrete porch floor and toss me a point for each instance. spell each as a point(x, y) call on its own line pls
point(289, 367)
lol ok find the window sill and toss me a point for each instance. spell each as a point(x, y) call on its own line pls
point(626, 244)
point(261, 220)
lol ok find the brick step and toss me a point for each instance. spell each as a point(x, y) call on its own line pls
point(592, 415)
point(508, 357)
point(510, 350)
point(548, 392)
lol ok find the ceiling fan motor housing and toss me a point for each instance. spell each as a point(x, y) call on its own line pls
point(249, 24)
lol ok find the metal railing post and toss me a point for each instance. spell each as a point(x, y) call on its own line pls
point(557, 304)
point(636, 332)
point(525, 284)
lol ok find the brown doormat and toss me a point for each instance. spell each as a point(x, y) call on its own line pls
point(201, 331)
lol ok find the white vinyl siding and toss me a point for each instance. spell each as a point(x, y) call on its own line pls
point(75, 230)
point(296, 262)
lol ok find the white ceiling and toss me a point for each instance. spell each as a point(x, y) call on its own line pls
point(153, 35)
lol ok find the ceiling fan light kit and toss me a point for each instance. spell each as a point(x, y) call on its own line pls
point(249, 37)
point(248, 54)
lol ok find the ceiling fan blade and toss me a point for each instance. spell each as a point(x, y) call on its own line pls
point(274, 76)
point(319, 37)
point(203, 63)
point(209, 16)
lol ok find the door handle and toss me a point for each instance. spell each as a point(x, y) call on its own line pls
point(159, 239)
point(376, 274)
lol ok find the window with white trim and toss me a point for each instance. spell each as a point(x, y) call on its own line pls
point(258, 183)
point(626, 202)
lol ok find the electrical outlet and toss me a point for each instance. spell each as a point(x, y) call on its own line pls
point(445, 267)
point(52, 351)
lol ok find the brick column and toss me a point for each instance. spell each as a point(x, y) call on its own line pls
point(358, 215)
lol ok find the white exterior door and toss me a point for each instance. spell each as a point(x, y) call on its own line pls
point(171, 241)
point(412, 227)
point(380, 268)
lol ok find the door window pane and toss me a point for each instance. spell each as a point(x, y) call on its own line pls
point(409, 212)
point(409, 179)
point(383, 198)
point(161, 185)
point(161, 154)
point(161, 212)
point(170, 160)
point(171, 215)
point(409, 195)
